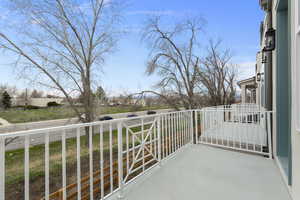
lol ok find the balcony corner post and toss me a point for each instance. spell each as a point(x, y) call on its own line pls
point(159, 139)
point(120, 161)
point(192, 127)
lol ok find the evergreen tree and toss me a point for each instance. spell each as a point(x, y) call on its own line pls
point(6, 100)
point(101, 95)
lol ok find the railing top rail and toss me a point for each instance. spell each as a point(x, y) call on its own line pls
point(235, 110)
point(115, 121)
point(82, 125)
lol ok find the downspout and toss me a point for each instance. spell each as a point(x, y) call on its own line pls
point(269, 64)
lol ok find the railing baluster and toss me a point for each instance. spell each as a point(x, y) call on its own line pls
point(196, 126)
point(185, 128)
point(155, 142)
point(47, 191)
point(150, 137)
point(259, 128)
point(169, 134)
point(211, 126)
point(178, 130)
point(120, 159)
point(164, 135)
point(26, 167)
point(182, 128)
point(223, 125)
point(159, 138)
point(127, 150)
point(91, 162)
point(64, 176)
point(143, 144)
point(2, 168)
point(78, 155)
point(101, 162)
point(111, 158)
point(253, 131)
point(172, 131)
point(268, 115)
point(133, 148)
point(240, 132)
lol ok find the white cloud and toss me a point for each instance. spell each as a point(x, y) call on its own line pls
point(246, 69)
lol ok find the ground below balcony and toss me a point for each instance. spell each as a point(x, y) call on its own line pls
point(208, 173)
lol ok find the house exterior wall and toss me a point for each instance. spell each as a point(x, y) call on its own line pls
point(295, 62)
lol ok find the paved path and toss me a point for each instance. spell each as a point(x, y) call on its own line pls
point(3, 122)
point(56, 136)
point(62, 122)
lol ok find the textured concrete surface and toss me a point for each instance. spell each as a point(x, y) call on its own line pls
point(208, 173)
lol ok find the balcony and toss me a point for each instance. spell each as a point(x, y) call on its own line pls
point(203, 172)
point(213, 153)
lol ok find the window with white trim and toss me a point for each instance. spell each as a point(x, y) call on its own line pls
point(297, 66)
point(298, 13)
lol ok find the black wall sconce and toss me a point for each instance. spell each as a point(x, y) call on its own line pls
point(258, 76)
point(264, 58)
point(270, 40)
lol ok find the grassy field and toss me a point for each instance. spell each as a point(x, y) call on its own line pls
point(14, 115)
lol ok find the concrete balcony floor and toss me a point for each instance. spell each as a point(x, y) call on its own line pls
point(209, 173)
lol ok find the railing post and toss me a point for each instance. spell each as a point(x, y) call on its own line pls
point(120, 160)
point(2, 168)
point(196, 126)
point(268, 115)
point(159, 139)
point(192, 127)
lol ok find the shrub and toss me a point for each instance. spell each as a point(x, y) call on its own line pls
point(52, 104)
point(30, 107)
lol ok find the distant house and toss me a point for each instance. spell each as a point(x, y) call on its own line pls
point(40, 102)
point(249, 90)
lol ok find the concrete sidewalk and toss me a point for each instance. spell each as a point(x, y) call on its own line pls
point(3, 122)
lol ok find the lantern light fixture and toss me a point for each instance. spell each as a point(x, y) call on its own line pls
point(258, 76)
point(270, 40)
point(263, 57)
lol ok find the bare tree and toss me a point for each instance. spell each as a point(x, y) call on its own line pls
point(173, 57)
point(12, 90)
point(218, 74)
point(62, 44)
point(36, 94)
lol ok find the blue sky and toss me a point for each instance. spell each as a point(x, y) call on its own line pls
point(236, 22)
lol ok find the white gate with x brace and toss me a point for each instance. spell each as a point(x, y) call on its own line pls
point(141, 143)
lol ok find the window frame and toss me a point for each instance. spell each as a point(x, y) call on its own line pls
point(297, 64)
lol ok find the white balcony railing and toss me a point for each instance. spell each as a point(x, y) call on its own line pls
point(96, 160)
point(118, 152)
point(245, 129)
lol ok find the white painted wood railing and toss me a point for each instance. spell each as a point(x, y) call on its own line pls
point(94, 160)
